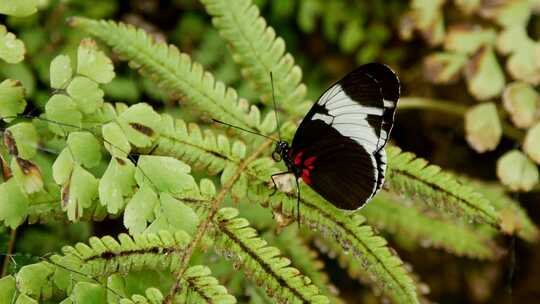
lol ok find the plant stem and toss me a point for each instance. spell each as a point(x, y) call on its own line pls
point(7, 257)
point(450, 107)
point(204, 225)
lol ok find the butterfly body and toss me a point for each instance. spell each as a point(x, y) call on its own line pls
point(338, 149)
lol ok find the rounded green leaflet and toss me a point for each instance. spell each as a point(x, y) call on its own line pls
point(86, 94)
point(485, 78)
point(20, 8)
point(89, 293)
point(444, 67)
point(140, 209)
point(24, 299)
point(531, 144)
point(27, 174)
point(115, 140)
point(24, 137)
point(483, 127)
point(60, 71)
point(141, 124)
point(93, 63)
point(85, 148)
point(34, 280)
point(7, 287)
point(516, 171)
point(13, 204)
point(62, 167)
point(173, 215)
point(79, 193)
point(164, 173)
point(12, 50)
point(116, 184)
point(521, 100)
point(62, 111)
point(12, 100)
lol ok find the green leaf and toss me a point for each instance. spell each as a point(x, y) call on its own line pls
point(19, 8)
point(353, 34)
point(485, 78)
point(25, 139)
point(516, 171)
point(89, 293)
point(79, 193)
point(531, 144)
point(7, 287)
point(12, 50)
point(86, 93)
point(115, 140)
point(63, 113)
point(117, 184)
point(27, 174)
point(60, 71)
point(85, 149)
point(13, 204)
point(93, 63)
point(62, 167)
point(483, 127)
point(141, 124)
point(34, 280)
point(521, 101)
point(24, 299)
point(444, 67)
point(12, 100)
point(140, 209)
point(165, 173)
point(173, 215)
point(467, 39)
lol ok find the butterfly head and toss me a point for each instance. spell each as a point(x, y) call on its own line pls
point(281, 151)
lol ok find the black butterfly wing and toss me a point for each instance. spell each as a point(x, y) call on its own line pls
point(340, 141)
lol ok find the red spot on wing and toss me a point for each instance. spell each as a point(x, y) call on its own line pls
point(306, 177)
point(298, 158)
point(309, 162)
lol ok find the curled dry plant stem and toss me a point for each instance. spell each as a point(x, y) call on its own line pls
point(213, 210)
point(451, 107)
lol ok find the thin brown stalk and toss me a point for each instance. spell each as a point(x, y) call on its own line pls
point(213, 210)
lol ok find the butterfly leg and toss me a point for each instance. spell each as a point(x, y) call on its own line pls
point(274, 182)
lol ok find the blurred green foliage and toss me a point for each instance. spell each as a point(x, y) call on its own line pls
point(469, 70)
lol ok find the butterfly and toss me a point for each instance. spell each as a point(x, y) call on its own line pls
point(338, 149)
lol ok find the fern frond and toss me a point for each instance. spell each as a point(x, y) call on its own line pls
point(102, 258)
point(514, 218)
point(461, 239)
point(237, 241)
point(306, 260)
point(415, 178)
point(202, 288)
point(175, 71)
point(255, 46)
point(351, 232)
point(202, 149)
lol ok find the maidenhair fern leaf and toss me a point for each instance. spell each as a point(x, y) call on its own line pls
point(256, 47)
point(416, 178)
point(388, 214)
point(237, 241)
point(175, 71)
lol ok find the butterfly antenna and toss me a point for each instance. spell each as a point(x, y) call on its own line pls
point(245, 130)
point(275, 105)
